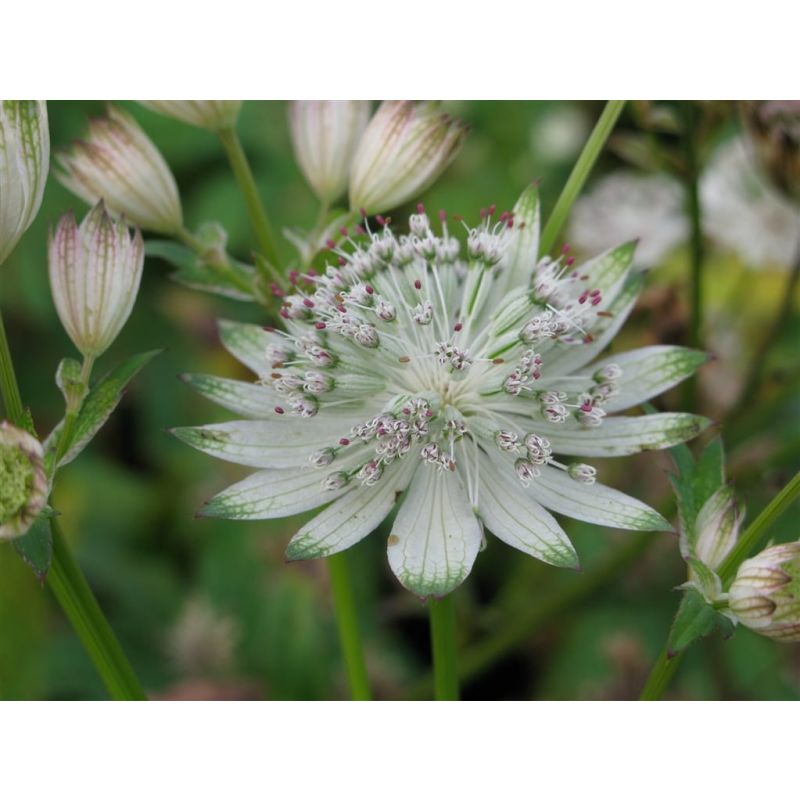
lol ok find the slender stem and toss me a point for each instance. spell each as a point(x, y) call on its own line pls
point(347, 623)
point(443, 646)
point(660, 676)
point(8, 381)
point(580, 172)
point(665, 667)
point(247, 185)
point(71, 416)
point(79, 604)
point(755, 375)
point(758, 527)
point(696, 250)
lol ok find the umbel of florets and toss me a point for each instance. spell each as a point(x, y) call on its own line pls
point(23, 482)
point(457, 380)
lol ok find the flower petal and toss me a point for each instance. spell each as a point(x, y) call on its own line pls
point(436, 535)
point(241, 397)
point(515, 518)
point(248, 343)
point(352, 517)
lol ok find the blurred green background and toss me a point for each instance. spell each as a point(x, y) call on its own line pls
point(209, 609)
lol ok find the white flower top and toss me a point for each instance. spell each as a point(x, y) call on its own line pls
point(626, 205)
point(446, 379)
point(742, 214)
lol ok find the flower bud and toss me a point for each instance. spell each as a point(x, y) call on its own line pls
point(765, 594)
point(774, 133)
point(24, 161)
point(119, 164)
point(95, 269)
point(405, 148)
point(325, 134)
point(717, 527)
point(23, 482)
point(215, 115)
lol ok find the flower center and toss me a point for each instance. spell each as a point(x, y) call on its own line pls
point(16, 478)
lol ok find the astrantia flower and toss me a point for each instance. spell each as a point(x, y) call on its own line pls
point(118, 163)
point(24, 161)
point(23, 482)
point(212, 114)
point(453, 382)
point(625, 205)
point(742, 214)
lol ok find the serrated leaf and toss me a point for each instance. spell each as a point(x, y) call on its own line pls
point(101, 401)
point(694, 620)
point(36, 546)
point(195, 273)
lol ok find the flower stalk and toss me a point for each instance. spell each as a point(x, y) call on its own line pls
point(580, 172)
point(8, 381)
point(347, 623)
point(443, 647)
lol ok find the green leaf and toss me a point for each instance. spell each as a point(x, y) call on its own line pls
point(36, 546)
point(193, 272)
point(98, 407)
point(694, 620)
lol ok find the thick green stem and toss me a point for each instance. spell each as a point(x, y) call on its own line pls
point(443, 646)
point(665, 667)
point(347, 623)
point(580, 172)
point(79, 604)
point(247, 185)
point(8, 381)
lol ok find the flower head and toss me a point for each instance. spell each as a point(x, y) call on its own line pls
point(405, 147)
point(765, 594)
point(626, 205)
point(23, 482)
point(743, 214)
point(95, 270)
point(118, 163)
point(455, 377)
point(325, 134)
point(24, 161)
point(214, 115)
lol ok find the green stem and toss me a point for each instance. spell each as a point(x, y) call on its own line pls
point(247, 185)
point(665, 667)
point(79, 604)
point(443, 646)
point(71, 416)
point(347, 623)
point(8, 381)
point(696, 250)
point(580, 172)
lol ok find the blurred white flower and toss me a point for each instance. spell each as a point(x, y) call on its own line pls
point(627, 205)
point(203, 640)
point(325, 134)
point(560, 132)
point(24, 163)
point(23, 482)
point(741, 213)
point(449, 376)
point(214, 115)
point(118, 163)
point(95, 270)
point(404, 149)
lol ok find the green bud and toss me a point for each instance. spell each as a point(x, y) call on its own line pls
point(23, 482)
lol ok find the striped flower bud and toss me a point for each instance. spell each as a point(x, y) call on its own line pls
point(215, 115)
point(325, 134)
point(23, 482)
point(24, 160)
point(95, 270)
point(405, 148)
point(118, 163)
point(765, 594)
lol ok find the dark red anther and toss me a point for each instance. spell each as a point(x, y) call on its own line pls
point(565, 249)
point(483, 213)
point(312, 272)
point(284, 313)
point(442, 215)
point(594, 293)
point(536, 374)
point(418, 284)
point(369, 290)
point(360, 230)
point(342, 261)
point(308, 303)
point(457, 327)
point(597, 300)
point(492, 209)
point(570, 261)
point(269, 329)
point(330, 244)
point(504, 216)
point(343, 231)
point(420, 208)
point(344, 441)
point(362, 212)
point(380, 220)
point(341, 307)
point(583, 298)
point(510, 223)
point(320, 326)
point(279, 410)
point(586, 406)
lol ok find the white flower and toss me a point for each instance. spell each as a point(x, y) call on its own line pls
point(626, 205)
point(23, 482)
point(742, 214)
point(95, 270)
point(325, 134)
point(421, 410)
point(24, 162)
point(404, 149)
point(119, 164)
point(560, 132)
point(765, 594)
point(212, 114)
